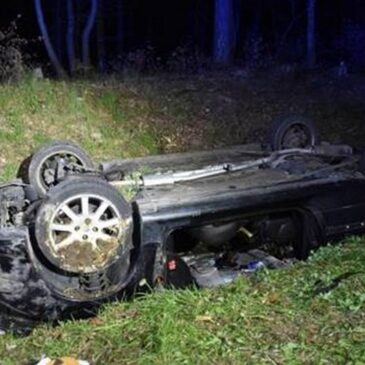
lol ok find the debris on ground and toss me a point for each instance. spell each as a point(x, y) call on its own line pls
point(62, 361)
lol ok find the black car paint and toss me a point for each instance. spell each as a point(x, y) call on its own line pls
point(329, 206)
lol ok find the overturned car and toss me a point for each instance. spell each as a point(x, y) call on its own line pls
point(70, 239)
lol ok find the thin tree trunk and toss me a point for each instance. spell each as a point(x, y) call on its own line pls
point(281, 41)
point(87, 33)
point(58, 28)
point(46, 39)
point(223, 31)
point(311, 33)
point(70, 37)
point(78, 30)
point(255, 26)
point(100, 38)
point(237, 6)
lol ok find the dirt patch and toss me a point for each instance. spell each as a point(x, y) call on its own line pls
point(219, 110)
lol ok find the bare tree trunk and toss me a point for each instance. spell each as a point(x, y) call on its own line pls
point(100, 35)
point(70, 37)
point(87, 33)
point(46, 39)
point(58, 28)
point(223, 27)
point(311, 33)
point(281, 41)
point(237, 6)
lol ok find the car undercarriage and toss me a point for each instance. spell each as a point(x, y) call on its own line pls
point(74, 235)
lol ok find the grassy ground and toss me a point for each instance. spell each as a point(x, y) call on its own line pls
point(270, 318)
point(138, 116)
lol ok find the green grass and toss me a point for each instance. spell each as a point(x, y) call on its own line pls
point(269, 318)
point(104, 119)
point(117, 118)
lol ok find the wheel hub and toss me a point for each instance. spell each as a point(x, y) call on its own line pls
point(85, 233)
point(296, 137)
point(50, 165)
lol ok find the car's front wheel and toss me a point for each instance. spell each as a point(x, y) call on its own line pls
point(84, 226)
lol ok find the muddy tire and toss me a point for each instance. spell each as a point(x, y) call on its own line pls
point(293, 131)
point(84, 226)
point(41, 170)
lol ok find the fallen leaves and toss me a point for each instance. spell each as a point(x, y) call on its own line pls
point(204, 318)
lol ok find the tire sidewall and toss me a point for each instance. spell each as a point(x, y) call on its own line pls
point(34, 170)
point(74, 187)
point(281, 125)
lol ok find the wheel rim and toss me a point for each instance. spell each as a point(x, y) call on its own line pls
point(297, 136)
point(85, 232)
point(48, 167)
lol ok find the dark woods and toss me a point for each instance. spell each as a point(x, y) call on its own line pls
point(192, 35)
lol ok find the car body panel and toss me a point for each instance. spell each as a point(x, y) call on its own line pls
point(323, 191)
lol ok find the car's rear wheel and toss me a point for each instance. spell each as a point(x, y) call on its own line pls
point(84, 226)
point(51, 163)
point(293, 131)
